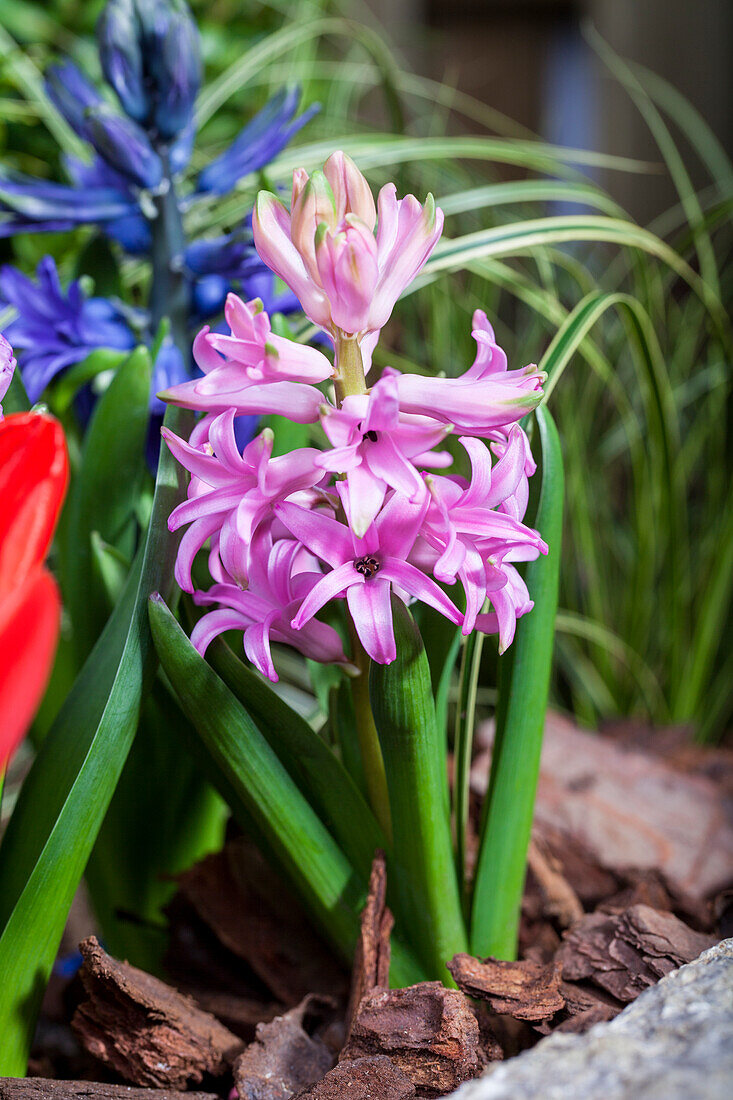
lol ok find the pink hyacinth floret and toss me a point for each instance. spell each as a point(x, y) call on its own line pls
point(7, 367)
point(378, 512)
point(253, 370)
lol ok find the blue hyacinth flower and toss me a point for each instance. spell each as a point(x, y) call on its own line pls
point(55, 329)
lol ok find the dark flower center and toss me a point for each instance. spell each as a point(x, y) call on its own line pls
point(371, 435)
point(366, 566)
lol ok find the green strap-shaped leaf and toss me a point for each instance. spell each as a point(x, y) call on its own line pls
point(67, 792)
point(424, 882)
point(659, 446)
point(131, 871)
point(318, 772)
point(258, 783)
point(105, 491)
point(97, 362)
point(111, 568)
point(520, 237)
point(523, 691)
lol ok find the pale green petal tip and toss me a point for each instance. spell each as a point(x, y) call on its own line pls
point(320, 186)
point(266, 200)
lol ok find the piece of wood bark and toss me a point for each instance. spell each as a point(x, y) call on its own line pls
point(648, 889)
point(578, 1025)
point(625, 953)
point(631, 810)
point(560, 901)
point(240, 1014)
point(428, 1031)
point(284, 1058)
point(248, 907)
point(373, 1078)
point(145, 1030)
point(525, 990)
point(372, 954)
point(584, 997)
point(43, 1088)
point(199, 965)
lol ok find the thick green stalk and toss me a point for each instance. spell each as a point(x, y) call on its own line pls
point(349, 380)
point(168, 288)
point(524, 689)
point(368, 738)
point(425, 882)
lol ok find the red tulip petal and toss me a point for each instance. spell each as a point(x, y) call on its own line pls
point(29, 629)
point(34, 471)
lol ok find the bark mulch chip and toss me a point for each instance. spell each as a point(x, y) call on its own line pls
point(559, 900)
point(633, 810)
point(428, 1031)
point(372, 955)
point(624, 953)
point(525, 990)
point(585, 1002)
point(245, 903)
point(197, 963)
point(43, 1088)
point(598, 1014)
point(374, 1078)
point(284, 1059)
point(143, 1029)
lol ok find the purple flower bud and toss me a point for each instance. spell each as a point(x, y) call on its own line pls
point(175, 65)
point(72, 94)
point(150, 54)
point(125, 146)
point(121, 58)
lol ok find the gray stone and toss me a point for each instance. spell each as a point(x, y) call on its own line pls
point(674, 1042)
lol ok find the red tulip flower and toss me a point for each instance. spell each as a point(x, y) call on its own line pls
point(34, 472)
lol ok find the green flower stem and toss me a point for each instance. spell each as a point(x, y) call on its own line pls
point(523, 691)
point(349, 380)
point(368, 738)
point(425, 882)
point(168, 289)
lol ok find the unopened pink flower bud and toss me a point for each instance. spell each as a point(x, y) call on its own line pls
point(348, 272)
point(314, 206)
point(351, 191)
